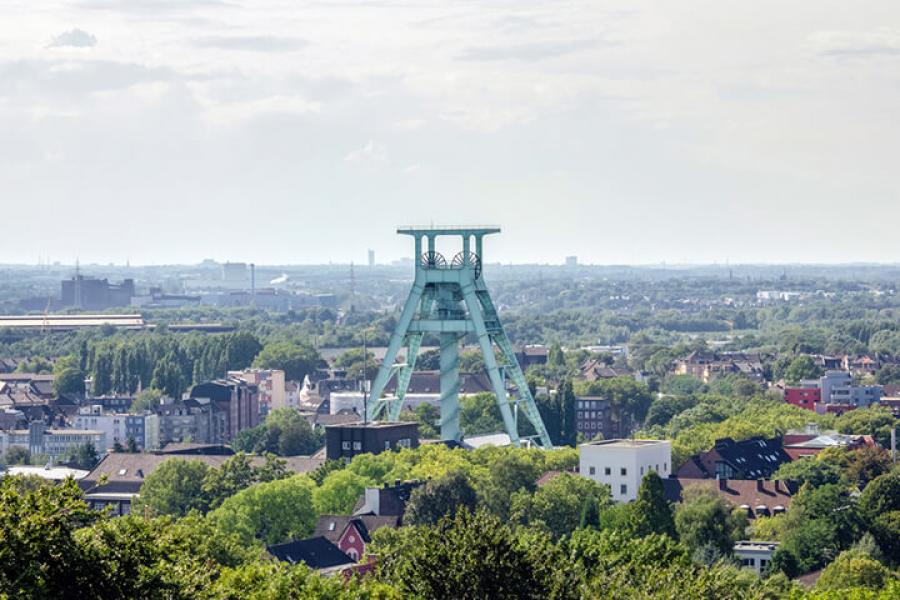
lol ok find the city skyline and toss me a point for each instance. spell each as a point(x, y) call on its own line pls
point(628, 133)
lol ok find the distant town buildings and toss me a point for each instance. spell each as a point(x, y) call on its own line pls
point(621, 464)
point(755, 555)
point(95, 294)
point(593, 417)
point(706, 365)
point(270, 384)
point(833, 392)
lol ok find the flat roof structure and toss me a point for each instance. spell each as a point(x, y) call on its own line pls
point(625, 443)
point(70, 322)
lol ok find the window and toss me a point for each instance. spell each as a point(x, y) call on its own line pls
point(657, 468)
point(623, 471)
point(665, 466)
point(345, 445)
point(387, 445)
point(357, 445)
point(642, 471)
point(607, 471)
point(404, 443)
point(592, 470)
point(623, 489)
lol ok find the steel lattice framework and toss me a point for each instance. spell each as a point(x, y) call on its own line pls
point(450, 300)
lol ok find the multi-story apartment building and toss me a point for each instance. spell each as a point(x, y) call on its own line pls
point(119, 428)
point(38, 439)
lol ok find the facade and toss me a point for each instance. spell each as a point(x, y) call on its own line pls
point(343, 442)
point(38, 439)
point(196, 419)
point(755, 555)
point(836, 387)
point(622, 464)
point(95, 294)
point(237, 398)
point(804, 397)
point(118, 428)
point(706, 365)
point(269, 383)
point(593, 417)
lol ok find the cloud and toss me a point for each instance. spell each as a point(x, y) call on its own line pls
point(529, 52)
point(373, 154)
point(250, 43)
point(857, 44)
point(75, 38)
point(76, 76)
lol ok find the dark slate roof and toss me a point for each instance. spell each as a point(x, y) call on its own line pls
point(332, 527)
point(315, 552)
point(751, 459)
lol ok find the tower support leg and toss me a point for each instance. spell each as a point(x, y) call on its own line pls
point(490, 362)
point(449, 386)
point(376, 404)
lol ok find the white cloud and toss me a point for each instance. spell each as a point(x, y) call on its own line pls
point(76, 38)
point(372, 154)
point(857, 44)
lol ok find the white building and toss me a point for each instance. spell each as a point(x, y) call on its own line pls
point(622, 464)
point(55, 443)
point(116, 427)
point(755, 555)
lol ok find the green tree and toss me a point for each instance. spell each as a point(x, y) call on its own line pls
point(296, 360)
point(809, 470)
point(651, 513)
point(472, 556)
point(68, 378)
point(168, 376)
point(238, 473)
point(880, 505)
point(703, 518)
point(273, 512)
point(174, 488)
point(339, 492)
point(802, 367)
point(876, 421)
point(561, 505)
point(17, 455)
point(83, 456)
point(145, 400)
point(852, 569)
point(440, 497)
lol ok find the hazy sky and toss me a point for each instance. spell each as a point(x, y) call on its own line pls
point(299, 132)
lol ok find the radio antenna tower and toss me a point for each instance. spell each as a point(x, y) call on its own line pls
point(450, 301)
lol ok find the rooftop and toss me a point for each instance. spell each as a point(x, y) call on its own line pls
point(627, 443)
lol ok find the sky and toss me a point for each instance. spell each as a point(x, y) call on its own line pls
point(623, 132)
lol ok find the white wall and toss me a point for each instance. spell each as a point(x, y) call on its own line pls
point(617, 463)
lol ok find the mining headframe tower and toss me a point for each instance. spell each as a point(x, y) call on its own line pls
point(450, 300)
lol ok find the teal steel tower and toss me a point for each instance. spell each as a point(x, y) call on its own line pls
point(450, 301)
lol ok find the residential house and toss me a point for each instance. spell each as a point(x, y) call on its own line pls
point(758, 497)
point(755, 555)
point(747, 459)
point(117, 479)
point(351, 534)
point(316, 553)
point(343, 442)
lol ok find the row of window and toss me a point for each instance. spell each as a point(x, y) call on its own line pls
point(623, 471)
point(589, 425)
point(590, 414)
point(590, 404)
